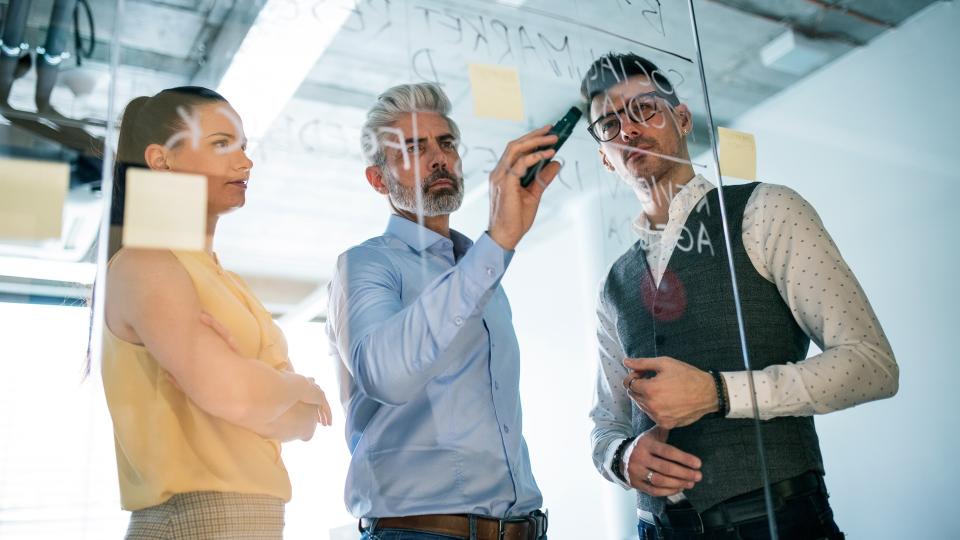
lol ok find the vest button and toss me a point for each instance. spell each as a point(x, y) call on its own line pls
point(657, 310)
point(660, 340)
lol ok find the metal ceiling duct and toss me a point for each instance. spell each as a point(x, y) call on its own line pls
point(53, 52)
point(12, 46)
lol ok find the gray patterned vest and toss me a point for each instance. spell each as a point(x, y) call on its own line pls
point(691, 316)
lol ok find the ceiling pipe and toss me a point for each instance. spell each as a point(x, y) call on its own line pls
point(850, 12)
point(797, 26)
point(56, 128)
point(53, 52)
point(12, 47)
point(49, 58)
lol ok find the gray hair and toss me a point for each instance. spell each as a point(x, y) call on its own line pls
point(398, 100)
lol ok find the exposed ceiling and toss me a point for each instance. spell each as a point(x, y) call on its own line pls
point(308, 200)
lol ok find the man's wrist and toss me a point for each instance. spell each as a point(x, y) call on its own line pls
point(721, 401)
point(616, 465)
point(505, 244)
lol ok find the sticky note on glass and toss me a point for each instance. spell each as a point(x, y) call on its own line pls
point(738, 154)
point(165, 210)
point(496, 92)
point(32, 194)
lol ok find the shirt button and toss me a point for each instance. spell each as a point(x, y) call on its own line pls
point(506, 428)
point(496, 385)
point(490, 271)
point(458, 321)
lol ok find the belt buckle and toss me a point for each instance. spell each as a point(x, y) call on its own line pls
point(501, 526)
point(668, 524)
point(538, 523)
point(701, 528)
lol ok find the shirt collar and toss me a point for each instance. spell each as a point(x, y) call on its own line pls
point(422, 239)
point(686, 198)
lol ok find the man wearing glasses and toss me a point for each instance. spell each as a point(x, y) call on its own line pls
point(672, 417)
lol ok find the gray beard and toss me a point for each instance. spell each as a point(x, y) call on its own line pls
point(434, 204)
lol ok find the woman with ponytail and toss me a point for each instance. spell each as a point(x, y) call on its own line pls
point(195, 371)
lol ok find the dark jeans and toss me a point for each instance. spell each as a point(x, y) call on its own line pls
point(803, 518)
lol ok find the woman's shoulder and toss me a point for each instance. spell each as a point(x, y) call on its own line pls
point(139, 257)
point(145, 265)
point(143, 284)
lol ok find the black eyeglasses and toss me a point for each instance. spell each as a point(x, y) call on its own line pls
point(640, 109)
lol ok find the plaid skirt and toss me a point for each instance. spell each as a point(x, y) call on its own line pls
point(209, 515)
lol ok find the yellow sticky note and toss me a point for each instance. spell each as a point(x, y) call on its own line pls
point(165, 210)
point(496, 92)
point(32, 194)
point(738, 154)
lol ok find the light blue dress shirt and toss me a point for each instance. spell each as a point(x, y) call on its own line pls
point(429, 372)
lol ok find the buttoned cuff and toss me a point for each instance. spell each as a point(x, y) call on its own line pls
point(485, 263)
point(738, 392)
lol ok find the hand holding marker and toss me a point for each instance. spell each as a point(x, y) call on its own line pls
point(562, 129)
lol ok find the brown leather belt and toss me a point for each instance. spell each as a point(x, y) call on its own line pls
point(529, 527)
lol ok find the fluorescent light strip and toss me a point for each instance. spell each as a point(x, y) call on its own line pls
point(277, 54)
point(67, 272)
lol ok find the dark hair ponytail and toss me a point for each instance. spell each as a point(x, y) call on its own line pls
point(145, 121)
point(125, 156)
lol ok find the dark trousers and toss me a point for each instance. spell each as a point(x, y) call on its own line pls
point(808, 517)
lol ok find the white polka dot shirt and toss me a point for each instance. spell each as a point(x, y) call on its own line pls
point(788, 245)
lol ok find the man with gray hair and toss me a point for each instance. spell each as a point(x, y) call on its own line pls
point(422, 332)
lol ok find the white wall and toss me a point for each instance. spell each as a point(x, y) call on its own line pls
point(551, 285)
point(871, 142)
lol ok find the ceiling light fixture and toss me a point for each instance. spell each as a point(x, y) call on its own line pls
point(793, 54)
point(284, 43)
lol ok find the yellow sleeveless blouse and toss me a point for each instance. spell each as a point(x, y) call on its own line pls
point(166, 444)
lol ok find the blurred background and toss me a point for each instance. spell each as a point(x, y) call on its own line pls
point(852, 103)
